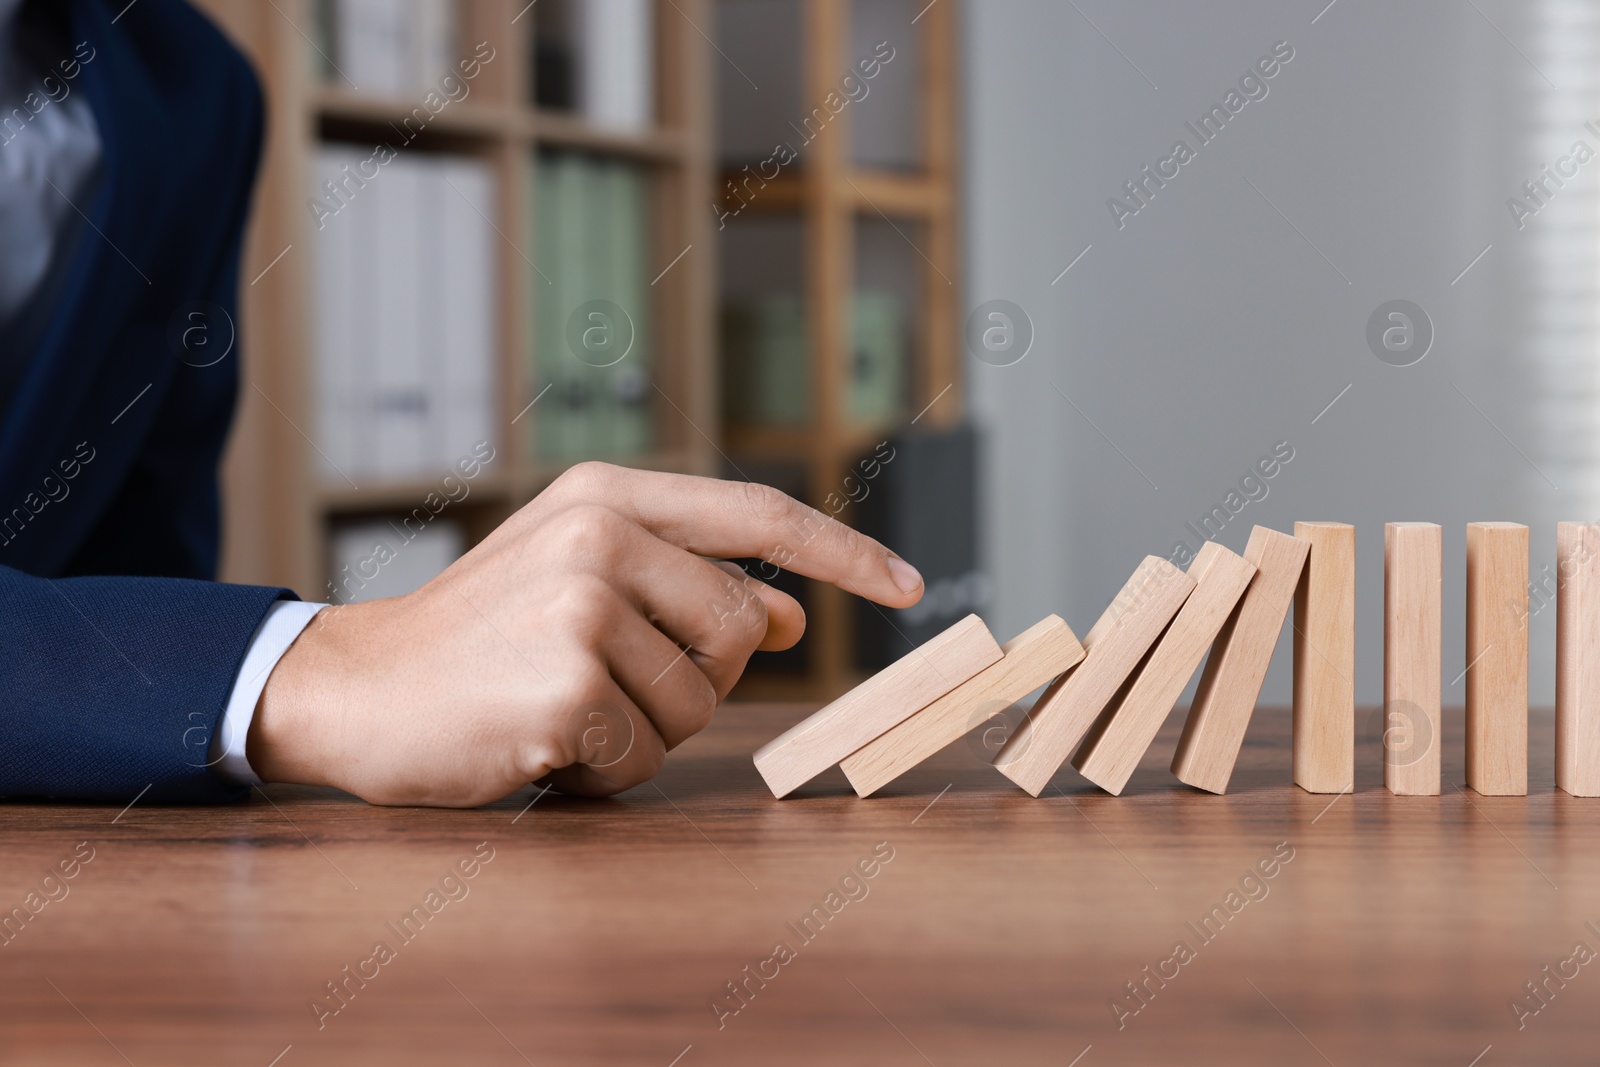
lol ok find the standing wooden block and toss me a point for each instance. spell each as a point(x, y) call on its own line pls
point(1032, 658)
point(894, 694)
point(1413, 571)
point(1497, 658)
point(1324, 729)
point(1119, 737)
point(1113, 648)
point(1237, 666)
point(1578, 658)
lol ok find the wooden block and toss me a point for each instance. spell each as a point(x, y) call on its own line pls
point(1324, 729)
point(889, 697)
point(1037, 655)
point(1231, 682)
point(1123, 731)
point(1112, 649)
point(1497, 658)
point(1578, 658)
point(1413, 573)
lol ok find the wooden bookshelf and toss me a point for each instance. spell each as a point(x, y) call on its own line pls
point(832, 198)
point(279, 513)
point(278, 510)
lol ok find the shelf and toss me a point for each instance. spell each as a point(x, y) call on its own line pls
point(487, 488)
point(555, 129)
point(465, 119)
point(898, 195)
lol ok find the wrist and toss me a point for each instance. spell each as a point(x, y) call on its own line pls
point(291, 732)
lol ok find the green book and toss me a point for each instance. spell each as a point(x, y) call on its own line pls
point(529, 425)
point(566, 413)
point(766, 361)
point(630, 387)
point(877, 358)
point(767, 378)
point(598, 334)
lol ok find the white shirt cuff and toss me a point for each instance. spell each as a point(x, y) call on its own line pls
point(278, 630)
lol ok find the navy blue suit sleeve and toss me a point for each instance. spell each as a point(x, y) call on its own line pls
point(112, 685)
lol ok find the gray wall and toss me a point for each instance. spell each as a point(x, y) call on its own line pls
point(1215, 324)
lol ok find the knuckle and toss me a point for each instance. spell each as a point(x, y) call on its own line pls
point(765, 503)
point(583, 604)
point(585, 480)
point(537, 758)
point(584, 531)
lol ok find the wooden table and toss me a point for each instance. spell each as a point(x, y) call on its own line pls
point(1001, 931)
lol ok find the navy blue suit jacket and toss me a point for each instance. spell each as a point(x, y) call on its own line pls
point(117, 653)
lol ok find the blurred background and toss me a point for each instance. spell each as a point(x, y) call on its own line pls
point(1028, 290)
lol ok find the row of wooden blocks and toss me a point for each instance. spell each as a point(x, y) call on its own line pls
point(1109, 694)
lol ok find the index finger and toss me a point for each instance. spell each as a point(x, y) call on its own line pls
point(724, 519)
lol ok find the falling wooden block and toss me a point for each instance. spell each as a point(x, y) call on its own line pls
point(1578, 658)
point(1112, 649)
point(1031, 659)
point(1231, 682)
point(894, 694)
point(1123, 731)
point(1497, 658)
point(1413, 562)
point(1324, 727)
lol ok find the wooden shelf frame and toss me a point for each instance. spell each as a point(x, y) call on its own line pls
point(278, 512)
point(831, 195)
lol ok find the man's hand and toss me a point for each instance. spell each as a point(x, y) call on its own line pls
point(577, 644)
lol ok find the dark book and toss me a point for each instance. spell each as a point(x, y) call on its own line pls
point(918, 494)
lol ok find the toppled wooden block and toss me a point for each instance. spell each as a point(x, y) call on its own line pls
point(889, 697)
point(1231, 682)
point(1112, 649)
point(1124, 730)
point(1032, 658)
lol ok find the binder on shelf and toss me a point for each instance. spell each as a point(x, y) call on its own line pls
point(877, 358)
point(387, 47)
point(399, 398)
point(767, 375)
point(554, 61)
point(469, 338)
point(627, 388)
point(563, 417)
point(766, 361)
point(592, 227)
point(596, 58)
point(403, 316)
point(432, 27)
point(615, 67)
point(336, 368)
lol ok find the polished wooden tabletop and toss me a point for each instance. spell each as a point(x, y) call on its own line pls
point(968, 923)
